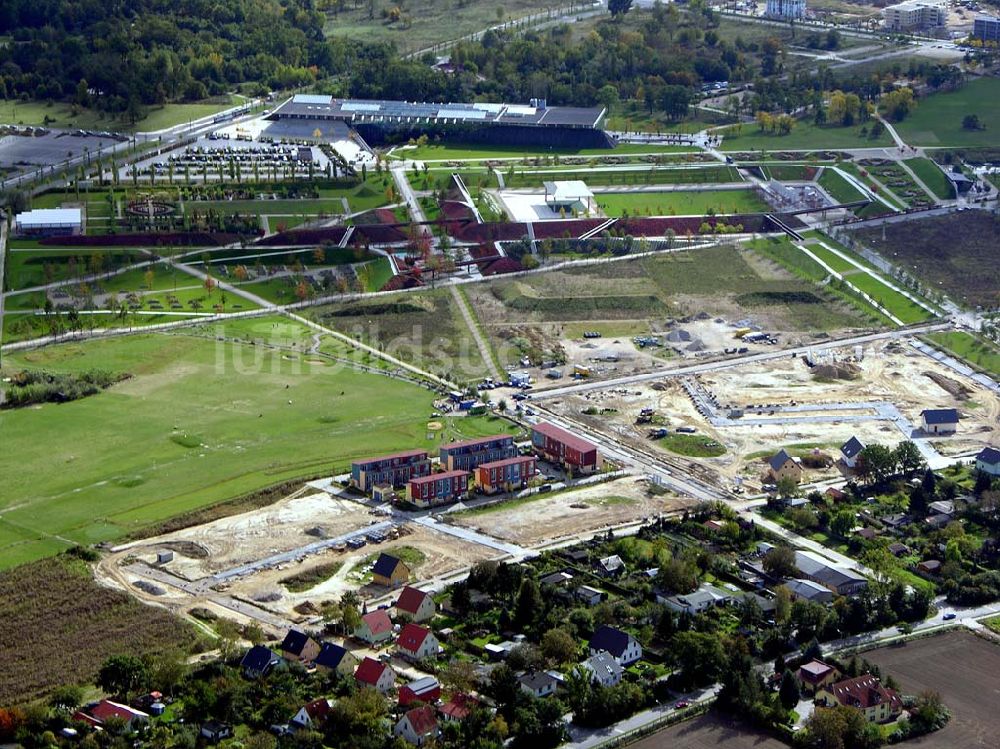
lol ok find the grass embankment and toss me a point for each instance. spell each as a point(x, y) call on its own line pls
point(977, 351)
point(257, 415)
point(931, 175)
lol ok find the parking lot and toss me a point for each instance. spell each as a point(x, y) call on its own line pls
point(25, 149)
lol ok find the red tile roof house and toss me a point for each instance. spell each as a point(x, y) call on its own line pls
point(458, 707)
point(426, 690)
point(562, 447)
point(417, 726)
point(865, 693)
point(815, 675)
point(106, 710)
point(313, 714)
point(416, 604)
point(375, 627)
point(374, 674)
point(417, 643)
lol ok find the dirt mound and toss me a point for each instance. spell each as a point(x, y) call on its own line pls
point(267, 597)
point(307, 608)
point(318, 531)
point(148, 587)
point(838, 371)
point(954, 387)
point(186, 549)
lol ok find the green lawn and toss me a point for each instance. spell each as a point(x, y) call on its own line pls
point(838, 187)
point(375, 274)
point(62, 116)
point(680, 203)
point(932, 176)
point(978, 351)
point(906, 310)
point(832, 259)
point(937, 119)
point(460, 152)
point(691, 445)
point(260, 416)
point(805, 135)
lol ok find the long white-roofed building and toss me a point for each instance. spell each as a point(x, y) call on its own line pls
point(49, 222)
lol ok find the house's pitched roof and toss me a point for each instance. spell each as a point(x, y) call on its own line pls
point(330, 655)
point(294, 642)
point(412, 637)
point(536, 680)
point(385, 565)
point(612, 563)
point(815, 670)
point(602, 663)
point(370, 671)
point(378, 622)
point(864, 692)
point(940, 415)
point(779, 459)
point(424, 685)
point(613, 640)
point(106, 709)
point(258, 658)
point(422, 719)
point(318, 709)
point(989, 456)
point(807, 589)
point(459, 706)
point(852, 447)
point(410, 600)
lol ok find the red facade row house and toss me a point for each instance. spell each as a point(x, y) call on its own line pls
point(506, 475)
point(559, 446)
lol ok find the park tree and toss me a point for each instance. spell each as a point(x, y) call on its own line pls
point(66, 698)
point(838, 727)
point(787, 487)
point(876, 463)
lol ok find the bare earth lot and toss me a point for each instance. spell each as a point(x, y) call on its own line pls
point(956, 252)
point(572, 513)
point(891, 373)
point(709, 732)
point(964, 669)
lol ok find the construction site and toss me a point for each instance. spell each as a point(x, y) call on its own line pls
point(748, 412)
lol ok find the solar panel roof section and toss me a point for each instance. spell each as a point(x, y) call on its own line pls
point(312, 99)
point(359, 106)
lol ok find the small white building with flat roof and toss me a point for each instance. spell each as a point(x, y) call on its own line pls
point(568, 195)
point(49, 222)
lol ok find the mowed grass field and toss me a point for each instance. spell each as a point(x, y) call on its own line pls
point(200, 421)
point(933, 176)
point(680, 203)
point(460, 152)
point(937, 119)
point(804, 136)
